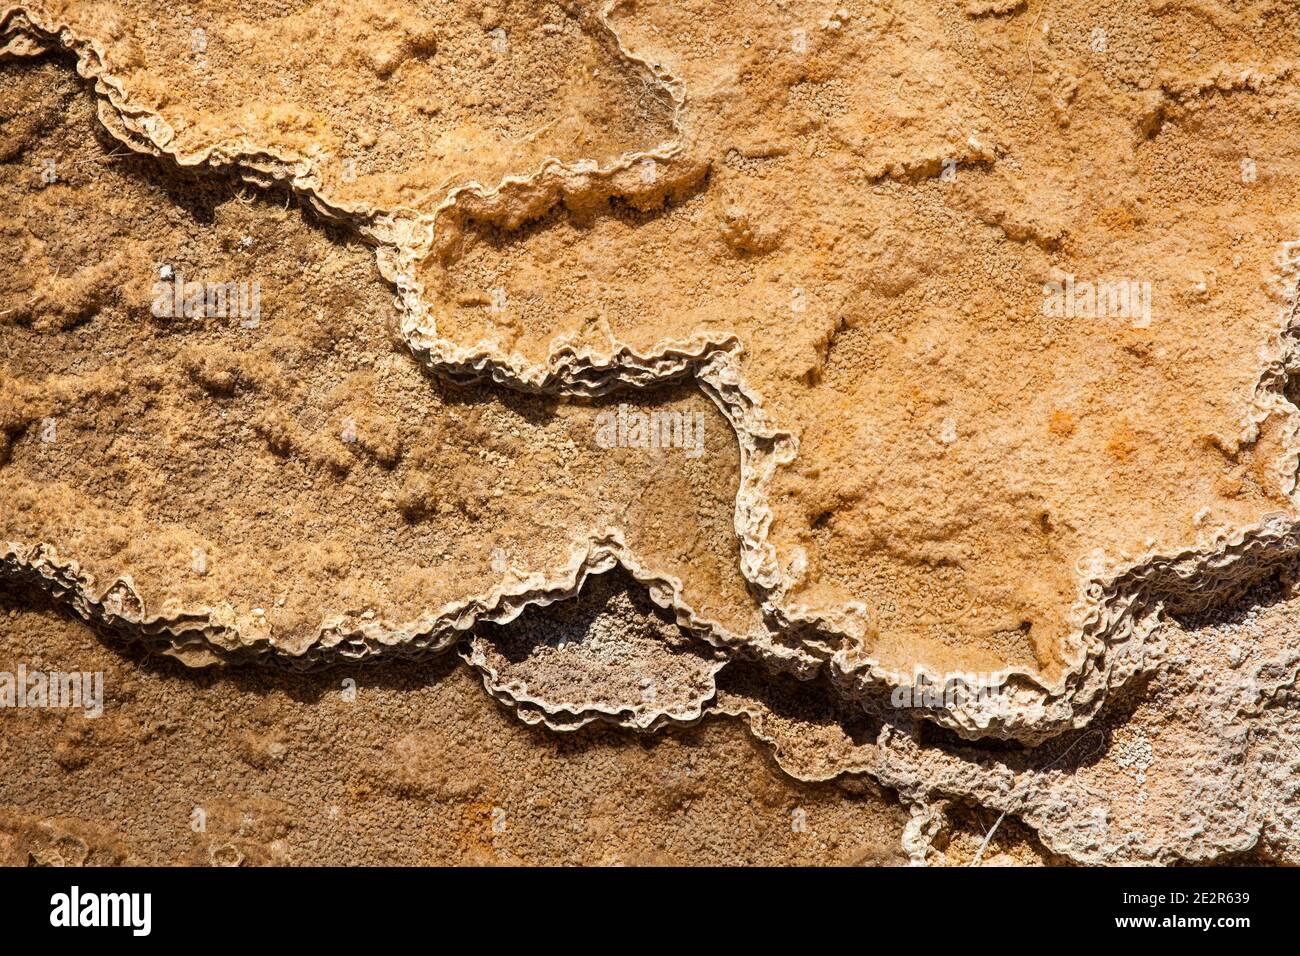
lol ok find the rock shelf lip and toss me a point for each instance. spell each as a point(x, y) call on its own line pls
point(1116, 606)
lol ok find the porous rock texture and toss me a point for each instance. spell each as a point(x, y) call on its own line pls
point(818, 239)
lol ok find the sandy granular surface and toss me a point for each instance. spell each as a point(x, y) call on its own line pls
point(415, 766)
point(671, 366)
point(305, 466)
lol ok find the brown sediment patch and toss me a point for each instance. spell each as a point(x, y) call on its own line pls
point(389, 764)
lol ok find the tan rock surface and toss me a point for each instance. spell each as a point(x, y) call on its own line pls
point(821, 239)
point(415, 768)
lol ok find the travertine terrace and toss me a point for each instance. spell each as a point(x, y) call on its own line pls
point(618, 381)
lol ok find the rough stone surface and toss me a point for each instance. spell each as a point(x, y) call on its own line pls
point(810, 248)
